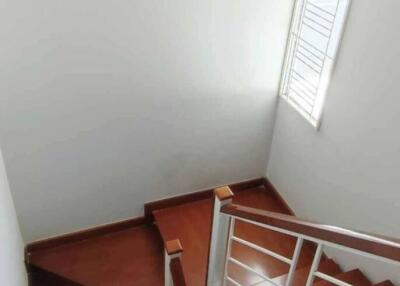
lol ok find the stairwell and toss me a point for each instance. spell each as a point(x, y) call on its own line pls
point(132, 253)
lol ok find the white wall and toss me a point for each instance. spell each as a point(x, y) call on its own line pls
point(12, 269)
point(347, 174)
point(108, 104)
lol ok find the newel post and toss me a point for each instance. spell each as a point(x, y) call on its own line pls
point(219, 237)
point(173, 249)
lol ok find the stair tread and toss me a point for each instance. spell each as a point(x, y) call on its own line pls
point(193, 230)
point(354, 277)
point(327, 266)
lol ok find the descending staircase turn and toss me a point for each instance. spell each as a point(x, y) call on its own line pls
point(131, 253)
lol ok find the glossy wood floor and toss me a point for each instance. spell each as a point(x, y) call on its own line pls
point(133, 257)
point(191, 223)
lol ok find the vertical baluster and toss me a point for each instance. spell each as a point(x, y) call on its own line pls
point(315, 265)
point(295, 260)
point(167, 272)
point(229, 248)
point(173, 249)
point(218, 240)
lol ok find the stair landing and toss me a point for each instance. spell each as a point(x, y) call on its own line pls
point(132, 257)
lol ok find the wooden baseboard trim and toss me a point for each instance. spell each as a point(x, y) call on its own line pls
point(122, 225)
point(196, 196)
point(82, 235)
point(270, 187)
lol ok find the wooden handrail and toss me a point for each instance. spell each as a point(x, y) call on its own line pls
point(376, 245)
point(177, 274)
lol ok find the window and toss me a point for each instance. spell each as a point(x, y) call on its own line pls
point(315, 33)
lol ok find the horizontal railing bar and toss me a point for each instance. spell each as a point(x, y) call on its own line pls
point(318, 15)
point(294, 83)
point(294, 104)
point(302, 96)
point(319, 65)
point(317, 23)
point(384, 249)
point(245, 266)
point(307, 64)
point(308, 43)
point(331, 279)
point(297, 104)
point(321, 9)
point(305, 80)
point(323, 242)
point(262, 250)
point(319, 57)
point(316, 30)
point(233, 281)
point(306, 106)
point(311, 93)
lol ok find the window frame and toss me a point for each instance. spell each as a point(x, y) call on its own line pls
point(326, 73)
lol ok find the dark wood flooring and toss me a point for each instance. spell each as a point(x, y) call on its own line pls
point(132, 257)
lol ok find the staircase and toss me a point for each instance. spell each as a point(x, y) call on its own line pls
point(131, 253)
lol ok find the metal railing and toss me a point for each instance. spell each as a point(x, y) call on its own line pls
point(226, 214)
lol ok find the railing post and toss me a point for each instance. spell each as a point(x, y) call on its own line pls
point(173, 249)
point(219, 237)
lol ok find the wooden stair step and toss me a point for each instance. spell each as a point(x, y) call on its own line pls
point(191, 223)
point(354, 277)
point(327, 266)
point(385, 283)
